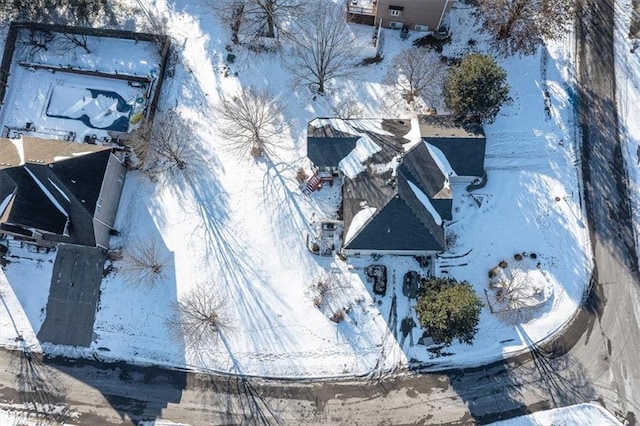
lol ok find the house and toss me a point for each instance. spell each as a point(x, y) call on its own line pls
point(397, 196)
point(417, 15)
point(53, 191)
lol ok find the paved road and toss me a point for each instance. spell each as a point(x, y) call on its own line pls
point(596, 359)
point(616, 277)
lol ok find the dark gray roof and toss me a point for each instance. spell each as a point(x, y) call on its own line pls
point(31, 208)
point(463, 145)
point(73, 184)
point(465, 155)
point(401, 221)
point(326, 147)
point(419, 167)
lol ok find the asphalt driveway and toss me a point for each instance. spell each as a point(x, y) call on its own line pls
point(73, 296)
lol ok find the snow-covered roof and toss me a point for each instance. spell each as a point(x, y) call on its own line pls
point(426, 202)
point(46, 184)
point(398, 176)
point(47, 193)
point(358, 222)
point(441, 160)
point(381, 182)
point(354, 162)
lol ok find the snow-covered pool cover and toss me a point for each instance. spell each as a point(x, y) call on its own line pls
point(95, 108)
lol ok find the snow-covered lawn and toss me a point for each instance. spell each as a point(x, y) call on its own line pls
point(240, 225)
point(581, 414)
point(24, 290)
point(627, 57)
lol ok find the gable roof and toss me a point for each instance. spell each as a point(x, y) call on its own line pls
point(463, 146)
point(399, 198)
point(32, 206)
point(401, 222)
point(326, 146)
point(53, 187)
point(419, 167)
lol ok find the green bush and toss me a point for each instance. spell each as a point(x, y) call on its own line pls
point(476, 89)
point(448, 310)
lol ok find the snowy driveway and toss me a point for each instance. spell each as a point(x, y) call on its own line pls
point(73, 297)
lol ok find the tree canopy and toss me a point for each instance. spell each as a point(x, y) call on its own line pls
point(448, 310)
point(322, 48)
point(476, 89)
point(520, 26)
point(81, 12)
point(417, 75)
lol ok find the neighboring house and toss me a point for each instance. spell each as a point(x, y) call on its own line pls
point(418, 15)
point(53, 191)
point(396, 192)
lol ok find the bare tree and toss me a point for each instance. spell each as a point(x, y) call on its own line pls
point(347, 109)
point(514, 289)
point(35, 41)
point(417, 74)
point(251, 123)
point(143, 262)
point(69, 41)
point(257, 18)
point(140, 141)
point(324, 289)
point(516, 295)
point(167, 148)
point(522, 25)
point(323, 48)
point(199, 317)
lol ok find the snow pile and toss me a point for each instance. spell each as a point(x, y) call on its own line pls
point(358, 222)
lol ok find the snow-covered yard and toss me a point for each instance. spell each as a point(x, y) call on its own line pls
point(581, 414)
point(240, 225)
point(627, 58)
point(24, 289)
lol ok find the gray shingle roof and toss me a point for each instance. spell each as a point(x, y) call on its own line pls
point(401, 221)
point(327, 146)
point(419, 167)
point(463, 146)
point(71, 182)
